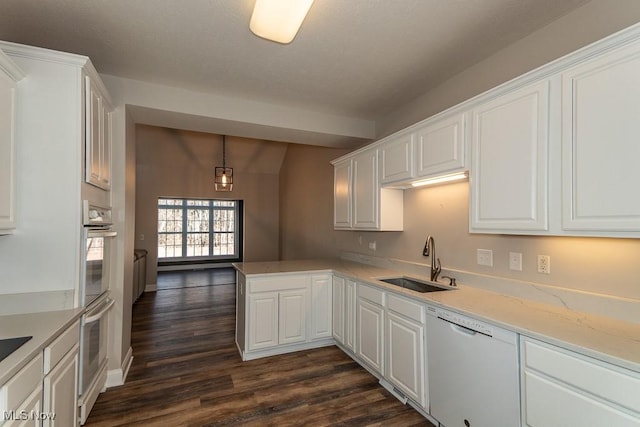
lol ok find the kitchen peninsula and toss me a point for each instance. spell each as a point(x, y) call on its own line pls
point(593, 344)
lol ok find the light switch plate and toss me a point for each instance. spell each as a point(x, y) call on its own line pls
point(485, 257)
point(515, 261)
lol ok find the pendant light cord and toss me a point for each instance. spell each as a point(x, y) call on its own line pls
point(224, 153)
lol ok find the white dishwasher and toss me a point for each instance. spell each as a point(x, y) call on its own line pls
point(473, 371)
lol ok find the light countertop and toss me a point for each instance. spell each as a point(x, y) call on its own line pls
point(43, 326)
point(603, 338)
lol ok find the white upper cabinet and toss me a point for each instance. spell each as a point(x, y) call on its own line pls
point(360, 202)
point(98, 138)
point(434, 147)
point(509, 168)
point(601, 142)
point(440, 146)
point(10, 74)
point(396, 159)
point(342, 194)
point(366, 197)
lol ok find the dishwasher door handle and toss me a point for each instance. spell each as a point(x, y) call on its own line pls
point(459, 328)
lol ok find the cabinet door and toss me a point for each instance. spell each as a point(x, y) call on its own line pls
point(342, 195)
point(370, 334)
point(292, 316)
point(321, 307)
point(105, 146)
point(7, 153)
point(61, 392)
point(31, 405)
point(440, 146)
point(93, 144)
point(405, 357)
point(338, 309)
point(366, 190)
point(350, 315)
point(509, 171)
point(396, 162)
point(263, 320)
point(601, 148)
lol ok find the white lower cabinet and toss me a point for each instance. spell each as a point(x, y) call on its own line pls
point(292, 316)
point(350, 297)
point(406, 356)
point(321, 296)
point(277, 318)
point(263, 320)
point(21, 394)
point(45, 392)
point(281, 313)
point(338, 309)
point(562, 388)
point(24, 416)
point(370, 327)
point(61, 391)
point(344, 312)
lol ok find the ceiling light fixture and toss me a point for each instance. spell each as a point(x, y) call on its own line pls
point(278, 20)
point(440, 179)
point(223, 175)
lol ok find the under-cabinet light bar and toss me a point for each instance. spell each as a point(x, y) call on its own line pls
point(440, 179)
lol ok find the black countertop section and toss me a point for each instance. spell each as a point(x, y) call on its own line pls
point(9, 345)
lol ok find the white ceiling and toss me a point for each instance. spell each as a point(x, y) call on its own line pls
point(354, 58)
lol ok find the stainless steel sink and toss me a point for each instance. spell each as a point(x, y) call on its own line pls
point(415, 284)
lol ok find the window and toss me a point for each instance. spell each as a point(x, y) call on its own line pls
point(198, 229)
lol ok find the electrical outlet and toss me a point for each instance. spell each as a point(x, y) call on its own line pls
point(544, 264)
point(372, 245)
point(515, 261)
point(485, 257)
point(142, 237)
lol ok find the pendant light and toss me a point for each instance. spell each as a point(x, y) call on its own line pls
point(224, 175)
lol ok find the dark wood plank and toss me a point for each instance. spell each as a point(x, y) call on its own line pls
point(187, 372)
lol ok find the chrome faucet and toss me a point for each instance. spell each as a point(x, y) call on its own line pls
point(430, 250)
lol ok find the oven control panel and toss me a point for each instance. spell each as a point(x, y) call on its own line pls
point(93, 215)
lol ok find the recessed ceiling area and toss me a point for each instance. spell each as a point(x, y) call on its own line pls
point(360, 59)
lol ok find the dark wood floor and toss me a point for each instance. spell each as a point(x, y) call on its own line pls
point(195, 278)
point(187, 372)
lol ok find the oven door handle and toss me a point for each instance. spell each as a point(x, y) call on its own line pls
point(102, 312)
point(101, 233)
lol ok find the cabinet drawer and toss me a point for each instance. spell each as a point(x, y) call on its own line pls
point(406, 308)
point(605, 381)
point(55, 351)
point(371, 294)
point(549, 404)
point(277, 283)
point(21, 385)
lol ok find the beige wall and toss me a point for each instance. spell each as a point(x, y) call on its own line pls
point(174, 163)
point(306, 203)
point(589, 23)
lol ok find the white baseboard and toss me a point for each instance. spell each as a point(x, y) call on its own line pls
point(152, 287)
point(117, 377)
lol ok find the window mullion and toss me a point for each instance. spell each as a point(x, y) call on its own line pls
point(211, 208)
point(184, 228)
